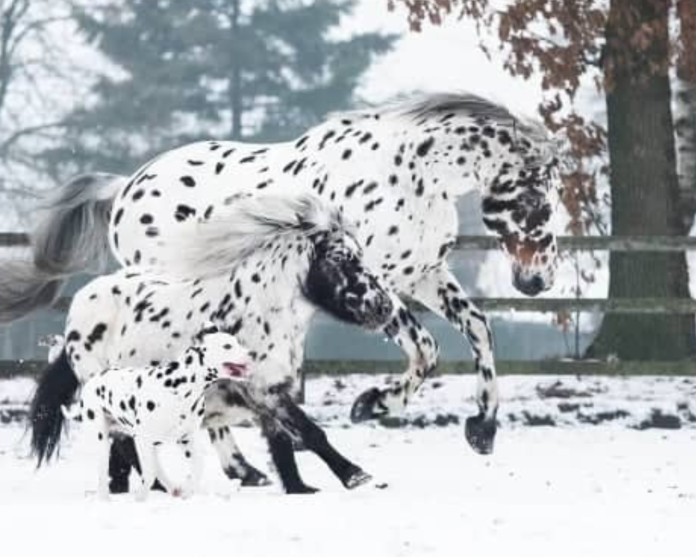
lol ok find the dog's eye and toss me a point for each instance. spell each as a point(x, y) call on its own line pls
point(227, 347)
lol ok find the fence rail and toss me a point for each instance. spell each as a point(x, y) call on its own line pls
point(565, 243)
point(31, 368)
point(467, 243)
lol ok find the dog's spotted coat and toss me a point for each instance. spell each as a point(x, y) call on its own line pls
point(159, 404)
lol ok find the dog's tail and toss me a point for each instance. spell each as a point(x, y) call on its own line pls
point(54, 394)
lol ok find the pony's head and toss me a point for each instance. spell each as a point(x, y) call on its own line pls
point(339, 282)
point(516, 207)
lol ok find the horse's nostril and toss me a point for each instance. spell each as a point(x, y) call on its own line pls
point(531, 286)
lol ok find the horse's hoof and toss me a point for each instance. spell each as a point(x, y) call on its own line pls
point(357, 478)
point(368, 406)
point(300, 489)
point(117, 486)
point(480, 433)
point(255, 478)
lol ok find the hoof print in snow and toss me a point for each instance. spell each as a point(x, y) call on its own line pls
point(533, 420)
point(559, 390)
point(658, 420)
point(601, 417)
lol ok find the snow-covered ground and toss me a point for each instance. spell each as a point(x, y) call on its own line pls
point(574, 489)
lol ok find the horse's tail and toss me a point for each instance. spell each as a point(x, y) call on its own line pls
point(54, 393)
point(71, 237)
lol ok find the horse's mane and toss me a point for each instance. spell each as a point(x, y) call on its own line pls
point(415, 107)
point(248, 223)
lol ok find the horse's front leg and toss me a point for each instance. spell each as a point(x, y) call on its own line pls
point(441, 292)
point(283, 423)
point(422, 352)
point(225, 407)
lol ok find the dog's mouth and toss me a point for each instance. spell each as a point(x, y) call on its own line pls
point(235, 370)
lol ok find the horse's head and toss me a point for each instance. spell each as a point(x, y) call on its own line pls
point(339, 282)
point(517, 209)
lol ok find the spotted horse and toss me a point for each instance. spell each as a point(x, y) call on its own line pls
point(258, 269)
point(397, 170)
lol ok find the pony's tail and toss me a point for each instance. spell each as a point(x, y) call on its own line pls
point(71, 237)
point(54, 394)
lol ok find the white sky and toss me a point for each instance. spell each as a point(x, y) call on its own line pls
point(444, 58)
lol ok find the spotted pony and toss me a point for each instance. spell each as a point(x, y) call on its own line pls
point(259, 270)
point(397, 170)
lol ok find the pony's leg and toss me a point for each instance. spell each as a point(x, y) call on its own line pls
point(283, 456)
point(224, 406)
point(441, 292)
point(147, 458)
point(122, 460)
point(291, 420)
point(422, 352)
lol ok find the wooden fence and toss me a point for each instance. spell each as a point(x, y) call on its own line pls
point(563, 366)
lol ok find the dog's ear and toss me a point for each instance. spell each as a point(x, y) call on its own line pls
point(209, 328)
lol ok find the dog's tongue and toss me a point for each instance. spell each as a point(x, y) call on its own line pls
point(235, 370)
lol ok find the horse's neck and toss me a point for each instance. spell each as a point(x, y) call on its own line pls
point(426, 157)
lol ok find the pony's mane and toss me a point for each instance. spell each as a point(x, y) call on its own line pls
point(415, 107)
point(248, 223)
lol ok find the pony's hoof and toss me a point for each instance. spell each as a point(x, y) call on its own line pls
point(255, 478)
point(357, 478)
point(480, 433)
point(300, 489)
point(368, 406)
point(118, 486)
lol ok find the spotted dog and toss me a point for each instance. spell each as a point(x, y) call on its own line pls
point(159, 404)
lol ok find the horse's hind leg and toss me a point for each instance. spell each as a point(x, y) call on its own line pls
point(122, 459)
point(441, 292)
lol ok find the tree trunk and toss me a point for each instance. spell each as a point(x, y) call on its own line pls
point(685, 109)
point(644, 185)
point(235, 85)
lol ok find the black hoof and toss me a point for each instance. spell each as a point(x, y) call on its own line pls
point(255, 478)
point(117, 486)
point(368, 406)
point(300, 489)
point(357, 478)
point(480, 433)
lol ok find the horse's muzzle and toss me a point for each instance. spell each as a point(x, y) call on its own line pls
point(529, 285)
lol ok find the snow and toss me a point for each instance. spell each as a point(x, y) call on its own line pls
point(569, 490)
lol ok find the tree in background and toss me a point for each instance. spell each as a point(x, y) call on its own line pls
point(194, 69)
point(33, 74)
point(625, 47)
